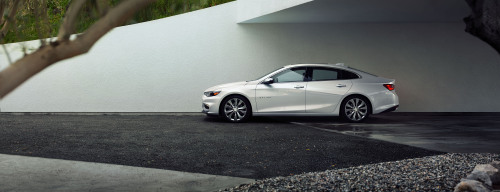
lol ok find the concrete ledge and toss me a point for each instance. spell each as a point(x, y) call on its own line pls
point(20, 173)
point(107, 113)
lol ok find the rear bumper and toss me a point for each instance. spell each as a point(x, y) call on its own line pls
point(385, 101)
point(390, 109)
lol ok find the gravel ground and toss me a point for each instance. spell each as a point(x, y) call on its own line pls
point(433, 173)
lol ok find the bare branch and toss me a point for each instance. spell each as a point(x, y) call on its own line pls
point(115, 17)
point(39, 11)
point(44, 21)
point(484, 21)
point(15, 74)
point(102, 7)
point(68, 25)
point(3, 4)
point(10, 19)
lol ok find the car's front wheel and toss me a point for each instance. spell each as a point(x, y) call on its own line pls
point(355, 109)
point(236, 109)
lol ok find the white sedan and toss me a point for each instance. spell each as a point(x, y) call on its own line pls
point(304, 90)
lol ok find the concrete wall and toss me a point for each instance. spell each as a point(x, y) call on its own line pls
point(165, 65)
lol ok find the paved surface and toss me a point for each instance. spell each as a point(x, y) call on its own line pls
point(448, 132)
point(20, 173)
point(258, 149)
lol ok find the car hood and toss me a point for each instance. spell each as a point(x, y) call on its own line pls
point(222, 86)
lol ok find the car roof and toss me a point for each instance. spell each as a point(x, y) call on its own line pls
point(337, 65)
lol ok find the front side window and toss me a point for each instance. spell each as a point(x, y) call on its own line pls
point(290, 75)
point(267, 74)
point(321, 74)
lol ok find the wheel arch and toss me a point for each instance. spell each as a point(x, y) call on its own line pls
point(359, 95)
point(221, 105)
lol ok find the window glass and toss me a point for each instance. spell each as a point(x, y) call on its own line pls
point(349, 75)
point(324, 74)
point(290, 75)
point(267, 74)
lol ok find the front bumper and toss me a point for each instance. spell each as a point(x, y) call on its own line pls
point(210, 105)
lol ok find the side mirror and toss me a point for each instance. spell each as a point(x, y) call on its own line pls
point(268, 81)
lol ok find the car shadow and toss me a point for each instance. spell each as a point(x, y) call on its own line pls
point(374, 119)
point(216, 119)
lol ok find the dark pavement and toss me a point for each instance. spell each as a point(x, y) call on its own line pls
point(263, 147)
point(448, 132)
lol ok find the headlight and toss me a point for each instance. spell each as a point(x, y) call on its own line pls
point(211, 93)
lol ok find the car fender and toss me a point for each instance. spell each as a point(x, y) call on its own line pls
point(337, 109)
point(246, 92)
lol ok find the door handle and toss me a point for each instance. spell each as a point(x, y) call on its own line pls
point(298, 86)
point(341, 85)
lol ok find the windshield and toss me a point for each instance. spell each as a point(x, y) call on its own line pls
point(266, 74)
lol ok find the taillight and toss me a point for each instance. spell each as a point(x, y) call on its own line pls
point(390, 87)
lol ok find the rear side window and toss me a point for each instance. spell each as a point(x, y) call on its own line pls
point(349, 75)
point(321, 74)
point(328, 74)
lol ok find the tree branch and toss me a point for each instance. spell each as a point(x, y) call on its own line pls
point(2, 7)
point(44, 21)
point(68, 25)
point(484, 21)
point(114, 18)
point(10, 19)
point(15, 74)
point(40, 11)
point(102, 7)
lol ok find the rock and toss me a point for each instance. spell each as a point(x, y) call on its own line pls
point(496, 164)
point(491, 170)
point(431, 173)
point(481, 176)
point(467, 185)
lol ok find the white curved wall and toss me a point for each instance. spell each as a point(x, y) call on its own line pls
point(165, 65)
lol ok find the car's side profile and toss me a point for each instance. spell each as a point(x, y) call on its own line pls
point(304, 90)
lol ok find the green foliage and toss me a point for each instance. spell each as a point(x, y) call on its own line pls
point(31, 24)
point(166, 8)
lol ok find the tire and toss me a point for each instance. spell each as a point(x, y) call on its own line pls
point(355, 109)
point(235, 109)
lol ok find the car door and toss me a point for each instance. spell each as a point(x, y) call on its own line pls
point(286, 94)
point(325, 90)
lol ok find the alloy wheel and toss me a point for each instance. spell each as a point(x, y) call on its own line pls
point(356, 109)
point(235, 109)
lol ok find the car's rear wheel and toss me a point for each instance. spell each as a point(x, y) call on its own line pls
point(355, 109)
point(236, 109)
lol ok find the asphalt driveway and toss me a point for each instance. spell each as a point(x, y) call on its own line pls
point(261, 148)
point(448, 132)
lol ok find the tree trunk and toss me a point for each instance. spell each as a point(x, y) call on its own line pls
point(484, 21)
point(26, 67)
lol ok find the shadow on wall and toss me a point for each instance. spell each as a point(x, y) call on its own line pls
point(435, 64)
